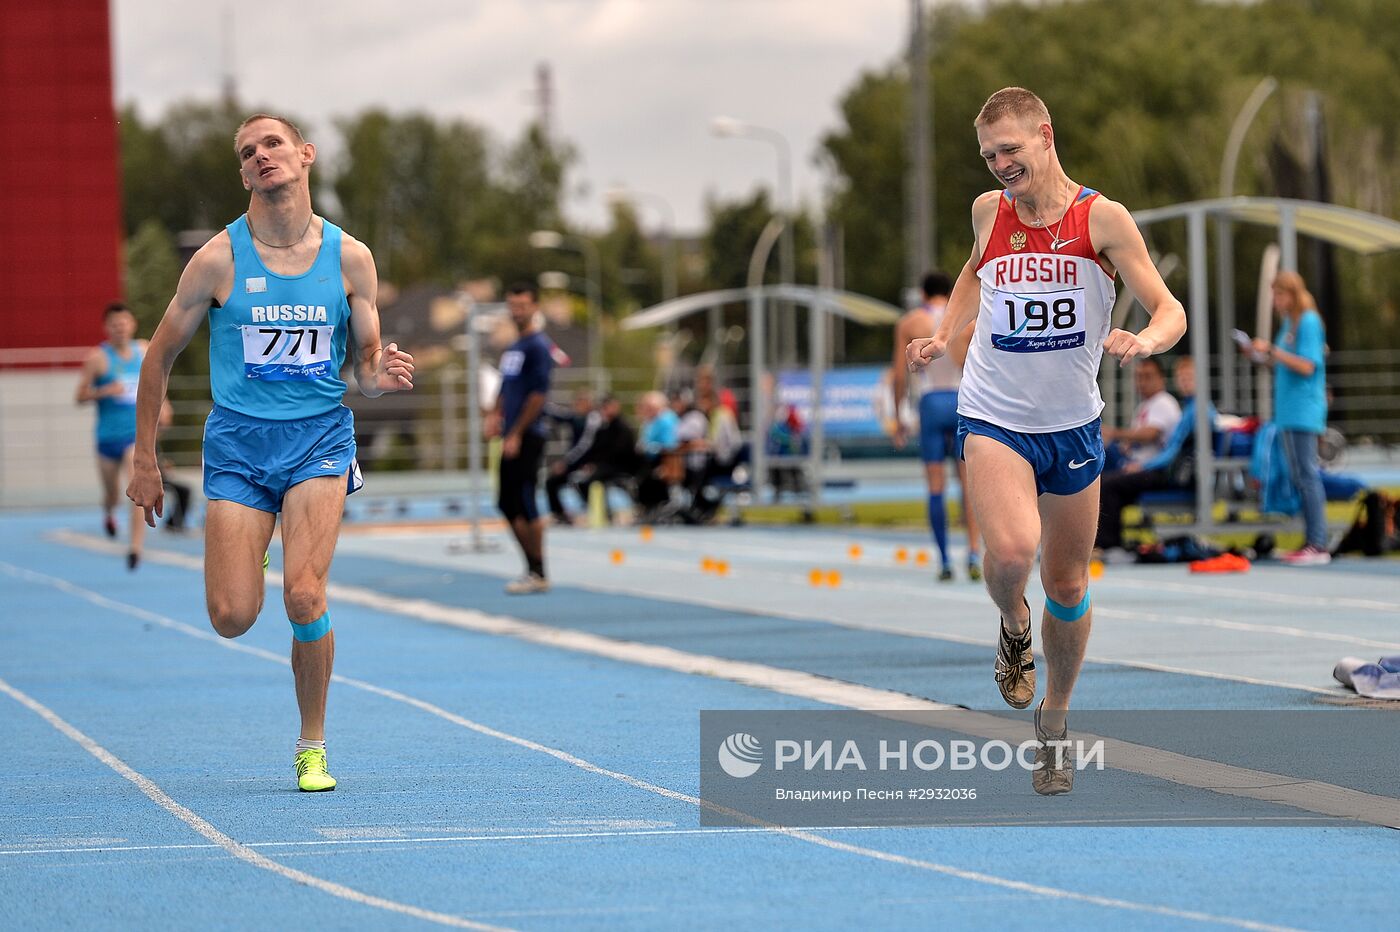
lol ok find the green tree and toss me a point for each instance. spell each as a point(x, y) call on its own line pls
point(732, 232)
point(152, 272)
point(631, 265)
point(415, 191)
point(181, 169)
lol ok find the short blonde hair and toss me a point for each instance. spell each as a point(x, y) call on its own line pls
point(1014, 102)
point(291, 127)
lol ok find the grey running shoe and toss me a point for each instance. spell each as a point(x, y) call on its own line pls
point(945, 574)
point(1015, 667)
point(529, 584)
point(1054, 773)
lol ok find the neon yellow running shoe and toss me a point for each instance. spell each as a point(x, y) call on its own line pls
point(267, 558)
point(311, 772)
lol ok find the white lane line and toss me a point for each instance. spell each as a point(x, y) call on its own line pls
point(791, 682)
point(816, 614)
point(233, 847)
point(1309, 796)
point(409, 841)
point(978, 598)
point(1277, 598)
point(996, 724)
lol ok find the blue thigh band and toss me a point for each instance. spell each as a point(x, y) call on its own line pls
point(313, 630)
point(1068, 612)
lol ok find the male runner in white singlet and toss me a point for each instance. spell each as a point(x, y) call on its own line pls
point(1045, 256)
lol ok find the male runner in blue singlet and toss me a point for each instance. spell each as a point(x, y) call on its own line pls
point(1045, 255)
point(110, 374)
point(286, 292)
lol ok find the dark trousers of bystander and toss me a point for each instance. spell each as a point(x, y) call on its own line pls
point(1120, 489)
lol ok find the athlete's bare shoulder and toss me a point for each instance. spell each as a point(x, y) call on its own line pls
point(984, 215)
point(354, 252)
point(1114, 233)
point(914, 324)
point(210, 270)
point(214, 255)
point(357, 266)
point(1109, 217)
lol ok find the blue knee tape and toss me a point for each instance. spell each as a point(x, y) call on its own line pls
point(1068, 612)
point(314, 630)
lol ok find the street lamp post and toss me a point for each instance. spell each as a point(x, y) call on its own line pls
point(731, 128)
point(552, 239)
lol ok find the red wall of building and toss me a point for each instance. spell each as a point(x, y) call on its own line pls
point(60, 213)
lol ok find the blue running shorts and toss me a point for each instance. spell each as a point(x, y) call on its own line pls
point(114, 449)
point(938, 425)
point(254, 461)
point(1064, 461)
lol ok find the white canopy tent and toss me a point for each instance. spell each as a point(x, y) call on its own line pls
point(821, 302)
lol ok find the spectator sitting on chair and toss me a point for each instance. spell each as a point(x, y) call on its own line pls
point(574, 416)
point(582, 422)
point(1154, 419)
point(1169, 469)
point(692, 431)
point(660, 435)
point(722, 445)
point(606, 453)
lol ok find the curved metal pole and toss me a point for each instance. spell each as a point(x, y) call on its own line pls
point(1200, 350)
point(1225, 245)
point(758, 261)
point(758, 397)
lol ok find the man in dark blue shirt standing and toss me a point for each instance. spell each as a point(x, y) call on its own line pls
point(525, 369)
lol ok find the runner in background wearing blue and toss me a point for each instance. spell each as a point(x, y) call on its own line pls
point(110, 375)
point(286, 294)
point(937, 385)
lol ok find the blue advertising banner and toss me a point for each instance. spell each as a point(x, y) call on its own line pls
point(855, 399)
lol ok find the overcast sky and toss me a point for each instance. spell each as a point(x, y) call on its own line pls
point(636, 81)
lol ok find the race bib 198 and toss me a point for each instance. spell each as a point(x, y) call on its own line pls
point(1038, 323)
point(279, 354)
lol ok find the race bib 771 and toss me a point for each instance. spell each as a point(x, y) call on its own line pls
point(1038, 323)
point(280, 354)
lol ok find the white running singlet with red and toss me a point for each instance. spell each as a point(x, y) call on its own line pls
point(1045, 310)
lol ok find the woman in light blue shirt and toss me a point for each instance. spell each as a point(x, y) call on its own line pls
point(1298, 355)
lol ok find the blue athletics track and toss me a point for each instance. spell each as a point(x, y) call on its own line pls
point(533, 762)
